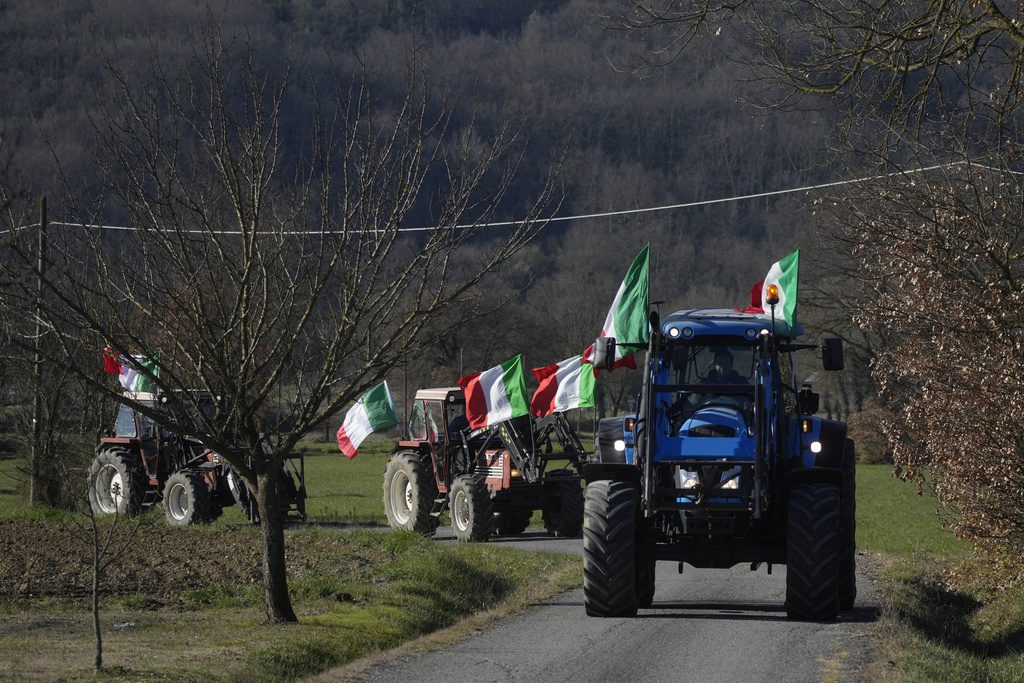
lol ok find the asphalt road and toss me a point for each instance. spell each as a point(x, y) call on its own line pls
point(705, 625)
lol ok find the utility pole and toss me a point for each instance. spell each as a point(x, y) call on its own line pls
point(35, 495)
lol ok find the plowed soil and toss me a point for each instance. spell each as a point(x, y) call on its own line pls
point(55, 560)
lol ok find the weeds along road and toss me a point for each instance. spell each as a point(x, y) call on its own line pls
point(705, 625)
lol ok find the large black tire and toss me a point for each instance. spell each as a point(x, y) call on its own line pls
point(609, 549)
point(117, 483)
point(409, 493)
point(563, 505)
point(187, 499)
point(471, 509)
point(513, 521)
point(848, 529)
point(645, 576)
point(813, 552)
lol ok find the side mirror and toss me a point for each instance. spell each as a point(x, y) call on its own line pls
point(832, 353)
point(603, 357)
point(809, 401)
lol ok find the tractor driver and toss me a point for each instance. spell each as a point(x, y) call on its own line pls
point(721, 370)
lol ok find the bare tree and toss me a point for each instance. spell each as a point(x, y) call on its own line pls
point(906, 66)
point(928, 265)
point(280, 280)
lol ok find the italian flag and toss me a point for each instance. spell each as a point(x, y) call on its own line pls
point(563, 386)
point(627, 318)
point(783, 274)
point(496, 394)
point(374, 412)
point(128, 370)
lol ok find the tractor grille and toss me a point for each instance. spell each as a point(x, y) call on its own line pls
point(491, 466)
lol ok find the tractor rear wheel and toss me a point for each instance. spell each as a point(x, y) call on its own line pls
point(117, 483)
point(609, 549)
point(813, 552)
point(409, 493)
point(186, 499)
point(848, 529)
point(471, 509)
point(514, 521)
point(563, 507)
point(645, 575)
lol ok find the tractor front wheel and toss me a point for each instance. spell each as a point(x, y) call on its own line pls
point(187, 499)
point(117, 483)
point(813, 552)
point(609, 549)
point(409, 493)
point(471, 509)
point(514, 521)
point(563, 508)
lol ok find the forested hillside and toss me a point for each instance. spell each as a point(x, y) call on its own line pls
point(547, 67)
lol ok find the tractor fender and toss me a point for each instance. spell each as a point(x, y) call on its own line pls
point(597, 471)
point(815, 475)
point(830, 437)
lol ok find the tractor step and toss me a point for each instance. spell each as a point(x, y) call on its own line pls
point(438, 507)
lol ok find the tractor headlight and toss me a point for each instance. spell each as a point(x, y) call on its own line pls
point(514, 473)
point(731, 478)
point(619, 445)
point(815, 447)
point(689, 479)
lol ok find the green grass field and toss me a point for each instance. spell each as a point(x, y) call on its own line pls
point(979, 637)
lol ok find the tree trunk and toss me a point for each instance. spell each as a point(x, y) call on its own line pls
point(97, 569)
point(277, 602)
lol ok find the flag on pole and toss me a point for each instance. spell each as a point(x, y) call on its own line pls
point(374, 412)
point(627, 319)
point(128, 370)
point(111, 361)
point(496, 394)
point(563, 386)
point(784, 274)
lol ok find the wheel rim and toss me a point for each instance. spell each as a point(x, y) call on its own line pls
point(460, 510)
point(109, 489)
point(177, 502)
point(401, 497)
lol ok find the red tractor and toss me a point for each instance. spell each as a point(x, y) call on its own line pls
point(138, 463)
point(490, 479)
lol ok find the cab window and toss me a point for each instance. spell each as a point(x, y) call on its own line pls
point(435, 418)
point(418, 423)
point(124, 426)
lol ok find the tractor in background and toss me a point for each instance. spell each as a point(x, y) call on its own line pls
point(723, 463)
point(490, 480)
point(138, 464)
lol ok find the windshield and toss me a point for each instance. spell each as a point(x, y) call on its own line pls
point(124, 426)
point(713, 363)
point(699, 411)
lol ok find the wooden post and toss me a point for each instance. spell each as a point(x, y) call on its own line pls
point(35, 494)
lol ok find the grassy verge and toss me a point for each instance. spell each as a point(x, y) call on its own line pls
point(356, 592)
point(947, 613)
point(937, 628)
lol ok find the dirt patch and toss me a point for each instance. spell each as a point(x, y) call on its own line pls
point(55, 560)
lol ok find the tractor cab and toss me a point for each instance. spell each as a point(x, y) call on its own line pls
point(438, 416)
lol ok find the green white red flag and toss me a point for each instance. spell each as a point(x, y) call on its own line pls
point(129, 370)
point(783, 274)
point(563, 386)
point(374, 412)
point(627, 319)
point(496, 394)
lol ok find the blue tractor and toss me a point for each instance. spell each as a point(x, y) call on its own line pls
point(723, 463)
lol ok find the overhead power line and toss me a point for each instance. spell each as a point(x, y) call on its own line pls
point(584, 216)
